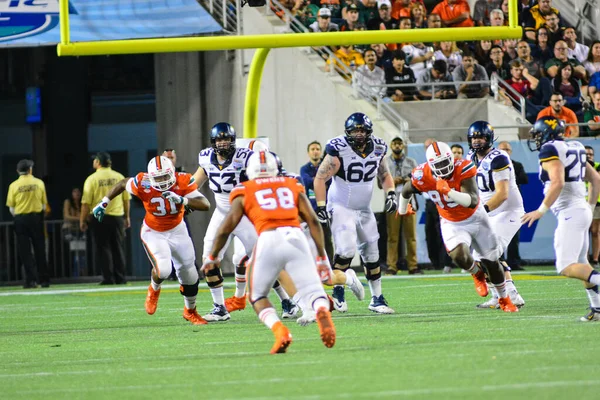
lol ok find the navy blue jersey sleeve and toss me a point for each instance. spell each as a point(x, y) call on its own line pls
point(500, 163)
point(548, 152)
point(331, 150)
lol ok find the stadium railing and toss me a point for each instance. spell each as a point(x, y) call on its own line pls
point(66, 253)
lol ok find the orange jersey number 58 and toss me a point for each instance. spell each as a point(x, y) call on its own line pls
point(282, 198)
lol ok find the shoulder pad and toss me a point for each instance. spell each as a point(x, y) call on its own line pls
point(548, 152)
point(500, 162)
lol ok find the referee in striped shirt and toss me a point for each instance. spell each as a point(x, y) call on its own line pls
point(27, 201)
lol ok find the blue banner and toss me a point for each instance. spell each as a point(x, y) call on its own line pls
point(537, 242)
point(35, 22)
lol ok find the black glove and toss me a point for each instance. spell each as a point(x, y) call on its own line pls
point(390, 203)
point(322, 214)
point(188, 210)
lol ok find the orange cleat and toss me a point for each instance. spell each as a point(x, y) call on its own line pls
point(507, 305)
point(283, 338)
point(480, 284)
point(152, 300)
point(326, 327)
point(235, 303)
point(193, 316)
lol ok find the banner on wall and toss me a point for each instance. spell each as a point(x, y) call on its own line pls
point(35, 22)
point(537, 242)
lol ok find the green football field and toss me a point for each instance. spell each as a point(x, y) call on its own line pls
point(88, 342)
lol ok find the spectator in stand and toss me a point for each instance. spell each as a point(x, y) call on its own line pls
point(504, 8)
point(557, 110)
point(524, 52)
point(351, 58)
point(536, 92)
point(457, 151)
point(171, 155)
point(576, 50)
point(384, 56)
point(592, 116)
point(454, 13)
point(497, 64)
point(351, 20)
point(384, 20)
point(470, 71)
point(399, 73)
point(592, 63)
point(418, 15)
point(510, 49)
point(533, 18)
point(482, 10)
point(438, 73)
point(555, 31)
point(561, 57)
point(323, 23)
point(565, 84)
point(369, 75)
point(367, 9)
point(541, 51)
point(400, 167)
point(594, 83)
point(72, 212)
point(333, 6)
point(482, 52)
point(496, 17)
point(419, 57)
point(401, 8)
point(449, 53)
point(434, 20)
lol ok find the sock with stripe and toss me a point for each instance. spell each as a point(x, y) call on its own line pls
point(268, 316)
point(280, 291)
point(190, 302)
point(474, 269)
point(155, 286)
point(510, 285)
point(594, 278)
point(594, 297)
point(501, 289)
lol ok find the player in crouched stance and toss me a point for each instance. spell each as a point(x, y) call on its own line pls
point(165, 237)
point(451, 186)
point(500, 197)
point(273, 205)
point(563, 170)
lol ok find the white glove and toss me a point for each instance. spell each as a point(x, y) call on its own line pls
point(324, 270)
point(177, 199)
point(208, 263)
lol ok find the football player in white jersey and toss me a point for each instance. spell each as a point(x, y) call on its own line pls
point(353, 161)
point(500, 197)
point(221, 165)
point(563, 170)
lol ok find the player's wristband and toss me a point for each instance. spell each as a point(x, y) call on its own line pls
point(321, 203)
point(486, 208)
point(542, 208)
point(185, 201)
point(106, 200)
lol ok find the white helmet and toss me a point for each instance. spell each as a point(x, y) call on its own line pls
point(257, 145)
point(440, 159)
point(161, 173)
point(262, 164)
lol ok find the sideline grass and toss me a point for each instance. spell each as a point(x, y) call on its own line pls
point(96, 343)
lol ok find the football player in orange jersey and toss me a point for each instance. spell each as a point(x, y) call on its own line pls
point(165, 195)
point(452, 187)
point(273, 205)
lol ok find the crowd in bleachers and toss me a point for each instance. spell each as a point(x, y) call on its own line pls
point(550, 58)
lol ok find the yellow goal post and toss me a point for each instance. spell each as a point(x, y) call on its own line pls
point(270, 41)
